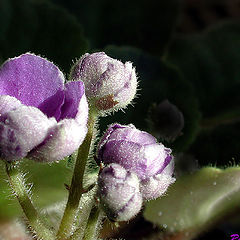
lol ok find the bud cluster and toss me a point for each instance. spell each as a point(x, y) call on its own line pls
point(137, 169)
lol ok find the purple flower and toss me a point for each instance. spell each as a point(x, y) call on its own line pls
point(119, 193)
point(109, 83)
point(138, 152)
point(40, 118)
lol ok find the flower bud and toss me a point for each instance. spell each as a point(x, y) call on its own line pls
point(110, 84)
point(119, 193)
point(166, 120)
point(158, 184)
point(138, 152)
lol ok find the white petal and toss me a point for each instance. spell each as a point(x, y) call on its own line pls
point(63, 141)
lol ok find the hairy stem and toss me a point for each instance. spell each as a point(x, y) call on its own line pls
point(76, 189)
point(92, 225)
point(17, 183)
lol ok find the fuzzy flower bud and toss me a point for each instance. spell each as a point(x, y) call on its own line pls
point(119, 193)
point(138, 152)
point(110, 84)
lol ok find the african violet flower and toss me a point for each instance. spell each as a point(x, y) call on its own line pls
point(138, 152)
point(109, 83)
point(119, 193)
point(40, 118)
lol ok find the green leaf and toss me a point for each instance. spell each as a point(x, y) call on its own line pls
point(218, 146)
point(139, 23)
point(5, 16)
point(40, 27)
point(196, 202)
point(48, 186)
point(157, 81)
point(210, 60)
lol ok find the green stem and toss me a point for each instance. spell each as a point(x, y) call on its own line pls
point(17, 184)
point(89, 226)
point(92, 225)
point(76, 189)
point(87, 204)
point(92, 228)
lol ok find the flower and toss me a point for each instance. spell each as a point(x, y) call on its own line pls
point(138, 152)
point(119, 193)
point(109, 83)
point(40, 118)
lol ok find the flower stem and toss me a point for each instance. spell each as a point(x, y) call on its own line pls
point(93, 225)
point(76, 189)
point(17, 183)
point(92, 228)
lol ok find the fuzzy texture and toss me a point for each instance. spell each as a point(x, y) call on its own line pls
point(110, 84)
point(119, 193)
point(158, 184)
point(138, 152)
point(40, 117)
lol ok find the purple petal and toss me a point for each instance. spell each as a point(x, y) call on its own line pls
point(155, 159)
point(75, 105)
point(90, 64)
point(52, 106)
point(129, 155)
point(167, 161)
point(130, 133)
point(63, 141)
point(126, 132)
point(34, 81)
point(169, 169)
point(107, 134)
point(21, 130)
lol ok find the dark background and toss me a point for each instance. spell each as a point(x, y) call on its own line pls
point(185, 51)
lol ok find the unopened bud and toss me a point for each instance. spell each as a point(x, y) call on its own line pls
point(109, 83)
point(119, 193)
point(166, 120)
point(138, 151)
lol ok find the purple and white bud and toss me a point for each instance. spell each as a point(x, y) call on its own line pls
point(119, 193)
point(158, 184)
point(109, 83)
point(138, 152)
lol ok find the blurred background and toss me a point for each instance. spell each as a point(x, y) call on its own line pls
point(187, 56)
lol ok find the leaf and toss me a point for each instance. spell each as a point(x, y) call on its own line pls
point(157, 81)
point(48, 186)
point(196, 202)
point(218, 146)
point(5, 17)
point(210, 60)
point(40, 27)
point(148, 25)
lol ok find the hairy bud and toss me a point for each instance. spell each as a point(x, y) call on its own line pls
point(110, 84)
point(119, 193)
